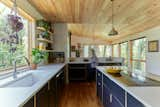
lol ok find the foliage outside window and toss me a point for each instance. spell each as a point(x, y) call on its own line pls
point(101, 50)
point(124, 53)
point(7, 57)
point(116, 50)
point(139, 55)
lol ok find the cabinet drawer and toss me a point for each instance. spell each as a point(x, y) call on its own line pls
point(99, 76)
point(132, 102)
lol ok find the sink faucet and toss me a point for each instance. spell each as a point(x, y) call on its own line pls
point(15, 65)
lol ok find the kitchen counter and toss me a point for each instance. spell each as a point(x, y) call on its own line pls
point(148, 95)
point(18, 96)
point(88, 62)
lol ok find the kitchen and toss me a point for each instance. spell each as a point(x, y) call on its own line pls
point(69, 53)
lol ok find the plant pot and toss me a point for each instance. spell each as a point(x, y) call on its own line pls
point(34, 66)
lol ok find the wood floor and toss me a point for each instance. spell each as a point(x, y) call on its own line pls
point(80, 95)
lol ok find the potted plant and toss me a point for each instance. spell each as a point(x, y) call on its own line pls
point(37, 57)
point(45, 34)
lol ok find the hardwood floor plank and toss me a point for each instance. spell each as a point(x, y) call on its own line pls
point(80, 95)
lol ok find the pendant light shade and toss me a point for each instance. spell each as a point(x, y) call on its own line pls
point(113, 31)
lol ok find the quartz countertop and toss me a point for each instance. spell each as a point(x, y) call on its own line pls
point(88, 62)
point(148, 95)
point(18, 96)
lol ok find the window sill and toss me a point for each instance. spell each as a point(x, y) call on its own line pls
point(9, 72)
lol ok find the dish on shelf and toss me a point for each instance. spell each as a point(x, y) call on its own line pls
point(43, 29)
point(44, 40)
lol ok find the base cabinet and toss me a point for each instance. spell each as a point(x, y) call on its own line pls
point(132, 102)
point(50, 93)
point(106, 96)
point(30, 103)
point(42, 99)
point(113, 95)
point(110, 99)
point(99, 85)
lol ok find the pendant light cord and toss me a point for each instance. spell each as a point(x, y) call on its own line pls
point(15, 7)
point(112, 13)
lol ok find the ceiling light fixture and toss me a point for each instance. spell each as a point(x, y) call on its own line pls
point(113, 31)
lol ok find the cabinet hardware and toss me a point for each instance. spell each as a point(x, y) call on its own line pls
point(110, 98)
point(99, 74)
point(99, 84)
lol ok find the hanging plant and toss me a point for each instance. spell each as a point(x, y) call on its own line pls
point(14, 25)
point(15, 22)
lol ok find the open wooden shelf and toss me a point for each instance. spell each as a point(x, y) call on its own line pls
point(43, 29)
point(48, 50)
point(45, 40)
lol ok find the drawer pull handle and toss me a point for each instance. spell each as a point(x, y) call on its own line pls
point(110, 98)
point(99, 84)
point(99, 74)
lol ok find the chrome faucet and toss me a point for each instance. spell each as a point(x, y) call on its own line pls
point(15, 65)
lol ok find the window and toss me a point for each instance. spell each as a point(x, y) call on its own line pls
point(6, 57)
point(116, 50)
point(138, 59)
point(86, 51)
point(101, 50)
point(108, 51)
point(124, 53)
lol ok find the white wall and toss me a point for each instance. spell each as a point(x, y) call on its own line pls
point(152, 58)
point(61, 38)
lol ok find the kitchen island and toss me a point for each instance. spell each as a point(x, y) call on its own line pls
point(80, 68)
point(114, 92)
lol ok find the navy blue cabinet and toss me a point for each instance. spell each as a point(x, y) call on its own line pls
point(99, 84)
point(132, 102)
point(113, 95)
point(115, 103)
point(106, 96)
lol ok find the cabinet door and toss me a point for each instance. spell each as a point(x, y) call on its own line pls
point(106, 96)
point(42, 97)
point(132, 102)
point(115, 89)
point(52, 93)
point(99, 89)
point(30, 103)
point(116, 103)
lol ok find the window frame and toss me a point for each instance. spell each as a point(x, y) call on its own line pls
point(30, 31)
point(121, 50)
point(118, 44)
point(131, 53)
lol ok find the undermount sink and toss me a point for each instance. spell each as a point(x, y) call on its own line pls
point(134, 82)
point(27, 80)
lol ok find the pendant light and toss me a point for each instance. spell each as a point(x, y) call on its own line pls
point(113, 31)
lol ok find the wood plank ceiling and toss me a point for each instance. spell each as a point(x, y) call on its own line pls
point(93, 17)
